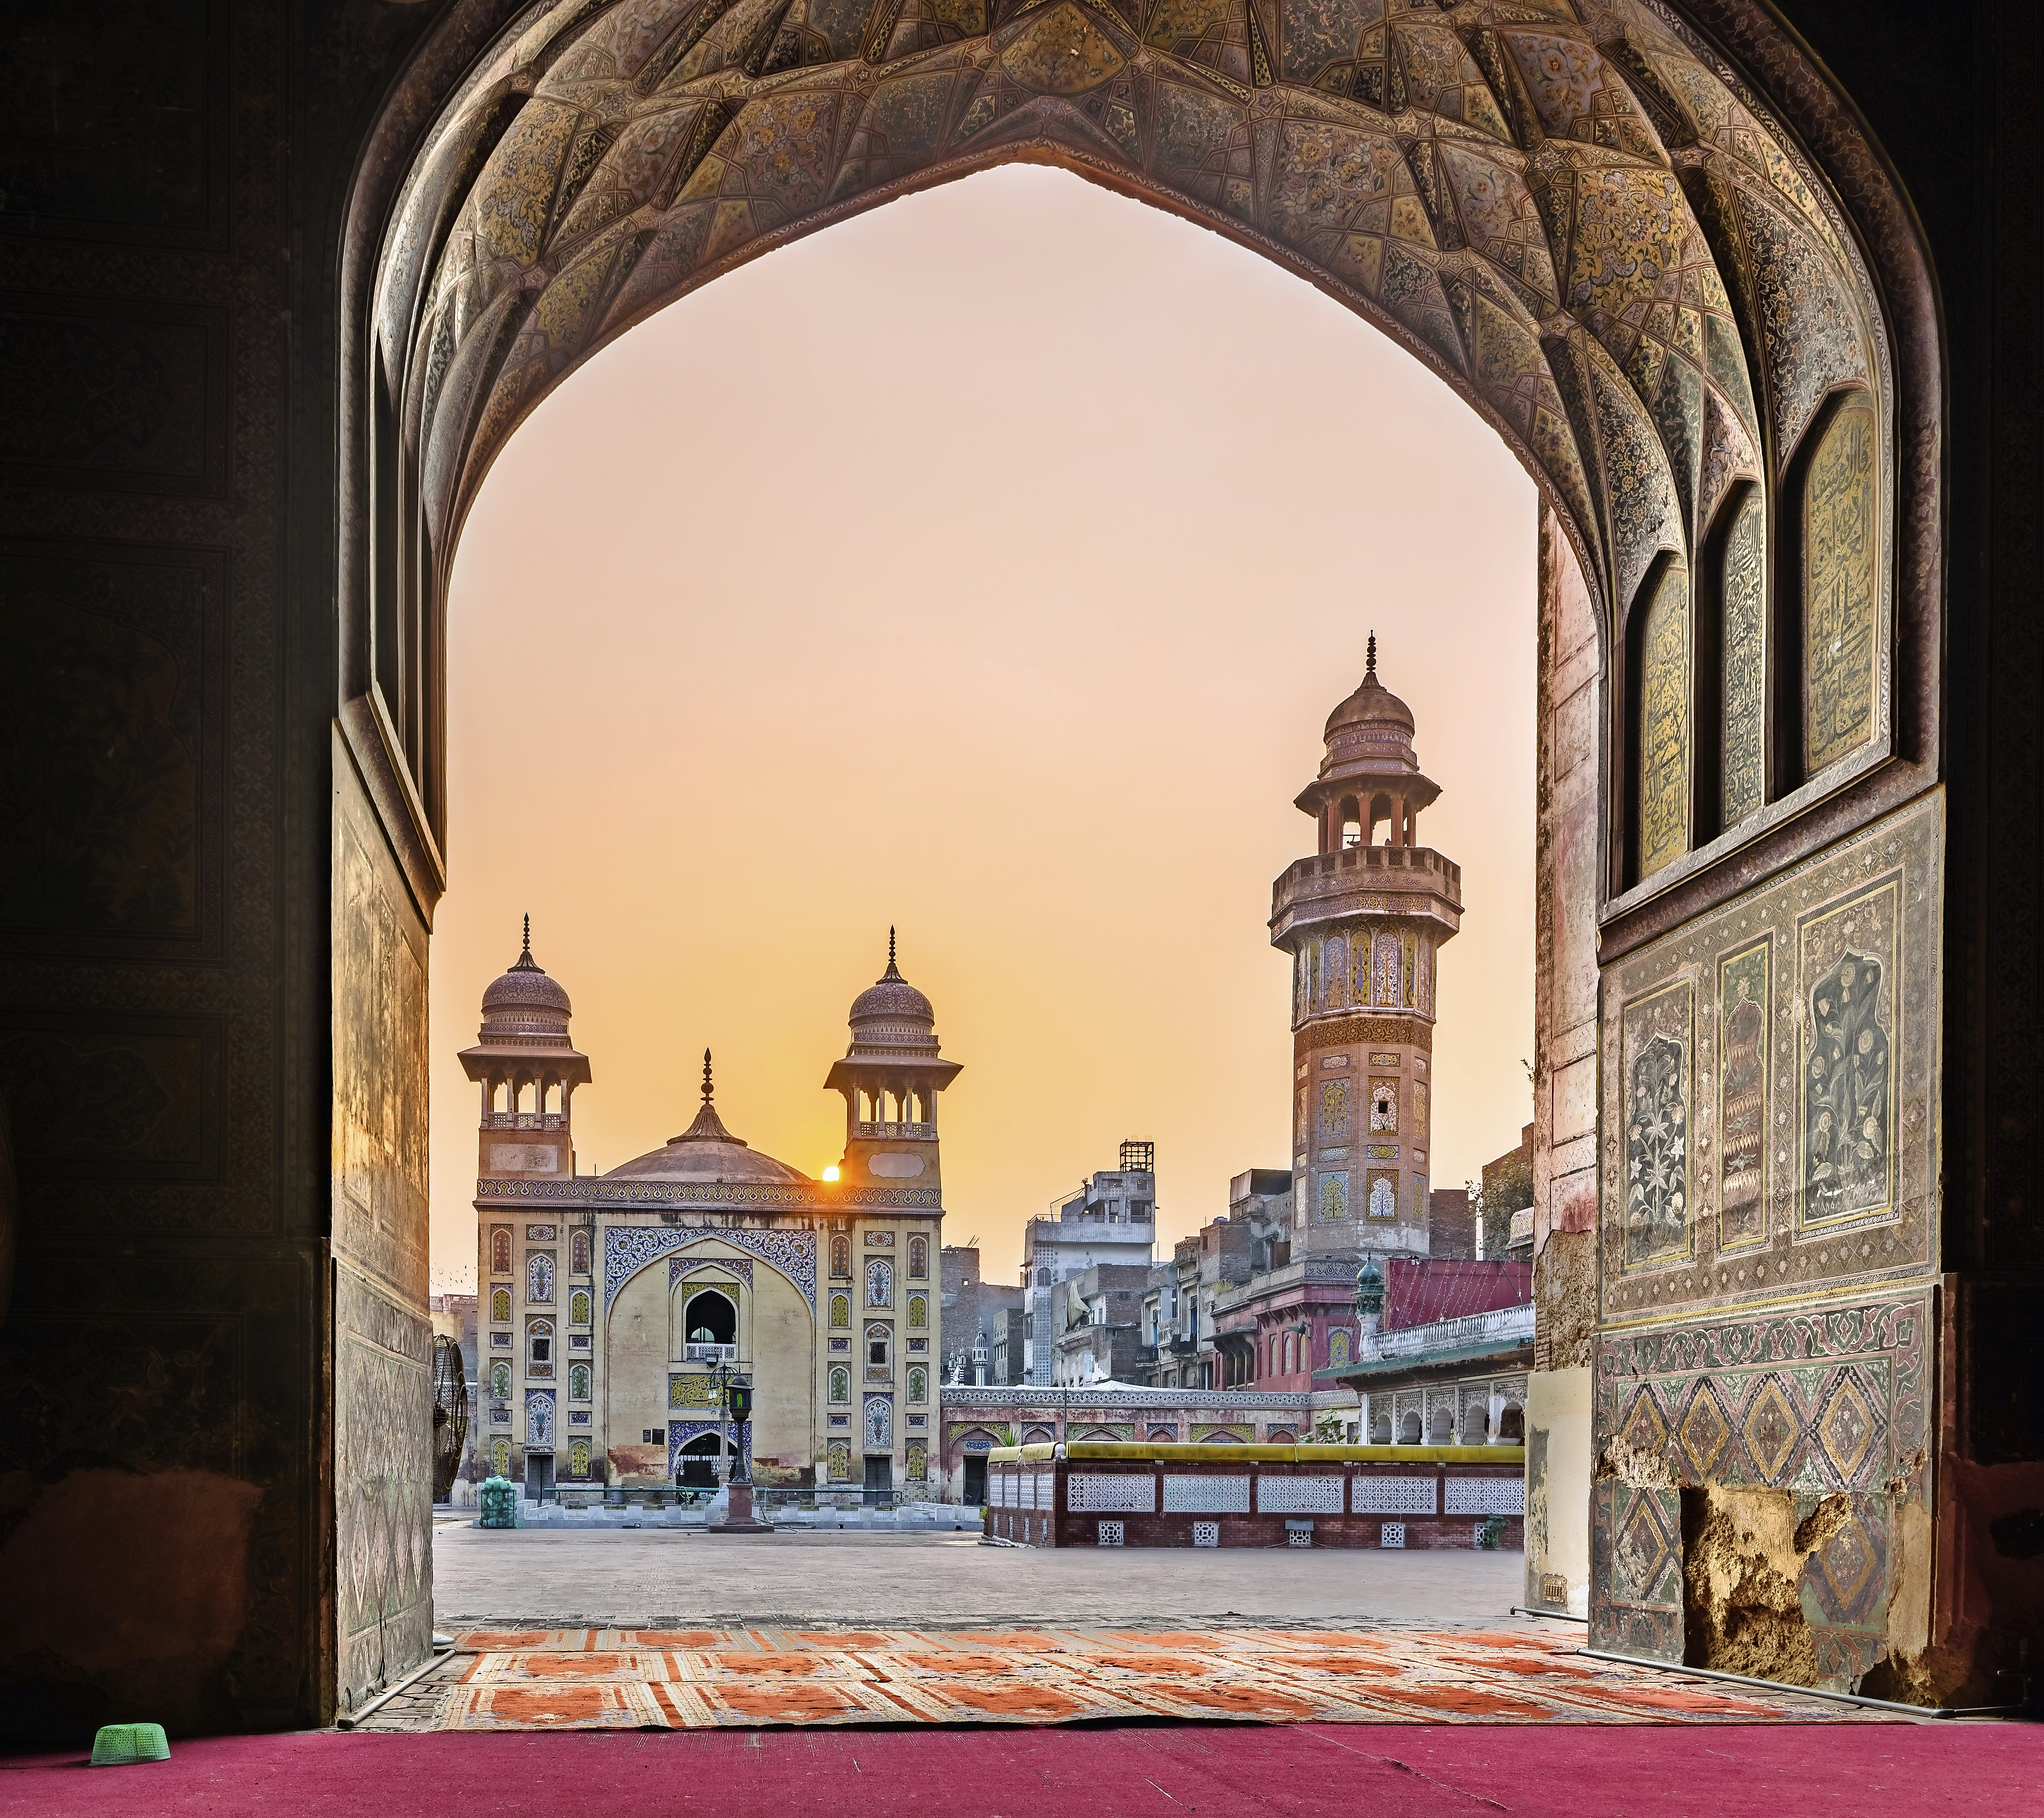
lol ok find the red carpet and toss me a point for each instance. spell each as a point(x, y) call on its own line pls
point(1599, 1771)
point(741, 1678)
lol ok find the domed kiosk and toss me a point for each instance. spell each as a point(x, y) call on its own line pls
point(613, 1306)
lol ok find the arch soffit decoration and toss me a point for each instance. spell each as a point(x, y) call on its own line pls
point(688, 1284)
point(1581, 216)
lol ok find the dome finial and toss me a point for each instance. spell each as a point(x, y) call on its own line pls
point(1370, 664)
point(708, 1088)
point(892, 971)
point(525, 963)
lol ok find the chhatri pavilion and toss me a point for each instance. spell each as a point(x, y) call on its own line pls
point(607, 1300)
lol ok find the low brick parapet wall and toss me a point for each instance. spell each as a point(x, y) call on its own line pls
point(1096, 1495)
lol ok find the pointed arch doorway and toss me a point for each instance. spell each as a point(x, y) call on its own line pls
point(265, 981)
point(1718, 373)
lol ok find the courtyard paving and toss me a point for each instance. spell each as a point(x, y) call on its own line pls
point(667, 1628)
point(649, 1579)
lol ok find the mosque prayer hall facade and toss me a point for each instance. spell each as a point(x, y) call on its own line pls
point(608, 1300)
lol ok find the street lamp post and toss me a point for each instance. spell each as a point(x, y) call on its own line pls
point(720, 1378)
point(736, 1396)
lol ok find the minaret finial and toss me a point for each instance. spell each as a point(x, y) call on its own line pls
point(708, 1088)
point(1369, 666)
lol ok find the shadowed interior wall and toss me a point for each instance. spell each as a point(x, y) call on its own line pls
point(218, 1321)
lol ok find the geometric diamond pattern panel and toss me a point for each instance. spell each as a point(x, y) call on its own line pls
point(1207, 1495)
point(1125, 1493)
point(1392, 1495)
point(1485, 1496)
point(1278, 1495)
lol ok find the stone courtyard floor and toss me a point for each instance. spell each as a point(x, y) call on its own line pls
point(684, 1630)
point(646, 1579)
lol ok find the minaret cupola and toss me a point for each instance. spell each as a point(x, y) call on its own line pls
point(1370, 776)
point(527, 1069)
point(890, 1077)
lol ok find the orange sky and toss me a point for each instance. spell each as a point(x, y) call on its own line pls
point(988, 566)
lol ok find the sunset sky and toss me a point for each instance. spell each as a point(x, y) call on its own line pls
point(987, 566)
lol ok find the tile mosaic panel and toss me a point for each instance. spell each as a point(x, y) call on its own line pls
point(1817, 1402)
point(627, 1249)
point(1814, 1023)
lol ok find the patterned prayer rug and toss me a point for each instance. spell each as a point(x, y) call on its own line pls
point(743, 1678)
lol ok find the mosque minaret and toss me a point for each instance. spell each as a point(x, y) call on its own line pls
point(1364, 923)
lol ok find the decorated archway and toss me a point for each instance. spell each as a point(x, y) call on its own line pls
point(286, 276)
point(1703, 323)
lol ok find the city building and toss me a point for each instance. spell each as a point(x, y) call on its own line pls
point(977, 1315)
point(1100, 1313)
point(613, 1303)
point(1441, 1354)
point(1111, 1219)
point(1508, 1198)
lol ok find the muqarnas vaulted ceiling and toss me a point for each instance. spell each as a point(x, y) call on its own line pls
point(1573, 213)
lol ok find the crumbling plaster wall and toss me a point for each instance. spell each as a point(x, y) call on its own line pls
point(1564, 1096)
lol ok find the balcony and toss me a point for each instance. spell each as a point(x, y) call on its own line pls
point(900, 1132)
point(525, 1121)
point(709, 1353)
point(1501, 1326)
point(1327, 886)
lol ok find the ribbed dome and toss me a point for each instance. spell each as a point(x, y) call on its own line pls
point(524, 1005)
point(1371, 705)
point(707, 1153)
point(891, 1015)
point(707, 1162)
point(1372, 727)
point(525, 986)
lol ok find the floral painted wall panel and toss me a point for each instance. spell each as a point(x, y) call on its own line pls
point(1744, 1000)
point(1846, 955)
point(1840, 529)
point(1658, 1045)
point(1812, 1133)
point(1334, 1108)
point(1664, 722)
point(1743, 656)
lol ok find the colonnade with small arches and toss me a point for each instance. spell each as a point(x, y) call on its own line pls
point(1483, 1411)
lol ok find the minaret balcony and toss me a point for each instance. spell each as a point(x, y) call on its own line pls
point(898, 1132)
point(525, 1121)
point(1367, 880)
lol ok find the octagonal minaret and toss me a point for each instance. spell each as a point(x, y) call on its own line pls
point(1364, 924)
